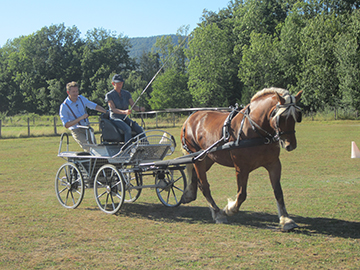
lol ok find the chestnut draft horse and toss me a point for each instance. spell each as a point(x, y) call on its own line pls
point(249, 141)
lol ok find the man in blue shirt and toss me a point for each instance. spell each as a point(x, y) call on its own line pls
point(73, 114)
point(119, 101)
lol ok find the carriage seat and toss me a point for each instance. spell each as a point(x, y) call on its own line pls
point(109, 132)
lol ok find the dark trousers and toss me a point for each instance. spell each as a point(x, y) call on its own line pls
point(127, 126)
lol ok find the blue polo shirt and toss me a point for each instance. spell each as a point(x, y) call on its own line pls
point(78, 108)
point(120, 102)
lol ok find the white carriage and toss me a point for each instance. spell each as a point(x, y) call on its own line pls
point(116, 171)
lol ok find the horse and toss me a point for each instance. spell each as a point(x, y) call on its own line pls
point(251, 139)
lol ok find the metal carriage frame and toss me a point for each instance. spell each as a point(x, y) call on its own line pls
point(116, 172)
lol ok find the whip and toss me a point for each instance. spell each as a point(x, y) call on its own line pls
point(153, 78)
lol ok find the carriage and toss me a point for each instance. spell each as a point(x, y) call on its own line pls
point(116, 171)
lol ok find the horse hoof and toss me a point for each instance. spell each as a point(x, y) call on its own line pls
point(230, 209)
point(185, 200)
point(287, 224)
point(219, 217)
point(222, 220)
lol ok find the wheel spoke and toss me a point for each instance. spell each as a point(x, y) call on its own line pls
point(173, 192)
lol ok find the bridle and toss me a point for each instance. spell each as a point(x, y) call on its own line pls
point(288, 107)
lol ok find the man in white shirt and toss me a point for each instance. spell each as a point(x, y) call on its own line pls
point(73, 114)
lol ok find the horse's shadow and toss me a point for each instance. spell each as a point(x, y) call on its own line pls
point(196, 214)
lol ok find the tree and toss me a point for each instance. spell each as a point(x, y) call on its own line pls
point(348, 57)
point(170, 91)
point(259, 66)
point(318, 77)
point(104, 54)
point(170, 87)
point(288, 49)
point(212, 70)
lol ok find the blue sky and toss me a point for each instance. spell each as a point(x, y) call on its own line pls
point(132, 18)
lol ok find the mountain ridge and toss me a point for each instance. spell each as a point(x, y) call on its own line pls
point(144, 44)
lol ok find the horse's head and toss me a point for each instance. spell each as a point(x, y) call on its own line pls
point(283, 118)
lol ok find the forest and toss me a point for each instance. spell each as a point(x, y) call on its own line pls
point(250, 44)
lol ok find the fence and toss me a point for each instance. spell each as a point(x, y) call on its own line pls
point(27, 126)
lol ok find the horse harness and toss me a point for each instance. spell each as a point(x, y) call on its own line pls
point(224, 144)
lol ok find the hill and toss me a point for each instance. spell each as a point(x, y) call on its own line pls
point(144, 44)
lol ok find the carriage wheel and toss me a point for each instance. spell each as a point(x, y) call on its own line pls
point(170, 186)
point(69, 186)
point(132, 179)
point(109, 189)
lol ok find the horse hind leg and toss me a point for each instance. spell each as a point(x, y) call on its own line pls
point(190, 191)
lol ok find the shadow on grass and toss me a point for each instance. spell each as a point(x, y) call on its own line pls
point(196, 214)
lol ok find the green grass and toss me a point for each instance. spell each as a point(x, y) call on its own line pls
point(321, 184)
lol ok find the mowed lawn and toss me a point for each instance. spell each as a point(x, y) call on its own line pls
point(321, 184)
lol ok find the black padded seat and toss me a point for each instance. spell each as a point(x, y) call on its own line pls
point(109, 132)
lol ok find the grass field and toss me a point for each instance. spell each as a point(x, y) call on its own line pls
point(321, 184)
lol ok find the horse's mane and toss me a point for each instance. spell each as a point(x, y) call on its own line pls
point(267, 91)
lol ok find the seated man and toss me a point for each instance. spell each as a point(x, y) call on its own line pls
point(73, 114)
point(119, 101)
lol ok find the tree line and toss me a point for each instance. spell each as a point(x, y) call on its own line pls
point(248, 45)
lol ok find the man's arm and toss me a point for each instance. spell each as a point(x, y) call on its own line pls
point(100, 109)
point(116, 110)
point(77, 120)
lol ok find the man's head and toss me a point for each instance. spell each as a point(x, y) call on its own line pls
point(72, 89)
point(117, 82)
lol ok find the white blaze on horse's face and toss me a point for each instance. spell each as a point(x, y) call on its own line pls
point(286, 114)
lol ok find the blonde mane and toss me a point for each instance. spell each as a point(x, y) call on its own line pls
point(267, 91)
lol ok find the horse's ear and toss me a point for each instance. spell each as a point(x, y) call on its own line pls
point(280, 98)
point(298, 95)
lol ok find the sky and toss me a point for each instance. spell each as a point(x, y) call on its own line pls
point(131, 18)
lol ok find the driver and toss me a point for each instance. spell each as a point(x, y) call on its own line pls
point(119, 100)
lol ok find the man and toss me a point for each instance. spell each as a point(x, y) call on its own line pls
point(73, 114)
point(119, 101)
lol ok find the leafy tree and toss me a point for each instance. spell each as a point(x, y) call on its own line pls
point(170, 91)
point(135, 84)
point(348, 56)
point(57, 94)
point(259, 66)
point(170, 87)
point(318, 77)
point(212, 71)
point(288, 49)
point(104, 54)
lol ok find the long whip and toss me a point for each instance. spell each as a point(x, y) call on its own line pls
point(153, 78)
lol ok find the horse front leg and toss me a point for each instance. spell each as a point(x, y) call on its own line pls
point(217, 214)
point(286, 223)
point(233, 206)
